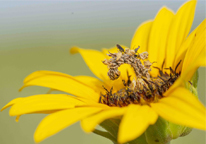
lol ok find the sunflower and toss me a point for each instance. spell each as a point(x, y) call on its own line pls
point(152, 82)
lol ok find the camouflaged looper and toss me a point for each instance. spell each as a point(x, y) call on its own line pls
point(141, 90)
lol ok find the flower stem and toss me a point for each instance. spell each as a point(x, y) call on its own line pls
point(105, 134)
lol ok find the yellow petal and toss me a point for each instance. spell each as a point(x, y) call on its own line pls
point(92, 82)
point(183, 108)
point(179, 30)
point(61, 82)
point(198, 47)
point(191, 69)
point(58, 121)
point(187, 74)
point(17, 118)
point(183, 49)
point(89, 123)
point(44, 102)
point(195, 57)
point(94, 60)
point(127, 68)
point(200, 37)
point(141, 36)
point(19, 100)
point(135, 122)
point(100, 105)
point(12, 103)
point(158, 38)
point(188, 98)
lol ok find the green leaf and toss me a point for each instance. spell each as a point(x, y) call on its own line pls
point(111, 127)
point(139, 140)
point(105, 134)
point(195, 78)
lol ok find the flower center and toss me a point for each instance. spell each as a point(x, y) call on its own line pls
point(142, 90)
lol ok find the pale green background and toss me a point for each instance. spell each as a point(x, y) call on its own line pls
point(38, 35)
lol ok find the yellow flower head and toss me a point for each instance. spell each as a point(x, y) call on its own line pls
point(135, 85)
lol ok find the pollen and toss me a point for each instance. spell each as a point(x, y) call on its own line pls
point(145, 88)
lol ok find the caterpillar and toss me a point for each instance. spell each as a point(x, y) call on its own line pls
point(142, 90)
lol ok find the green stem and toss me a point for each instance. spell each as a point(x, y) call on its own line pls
point(105, 134)
point(111, 127)
point(139, 140)
point(155, 134)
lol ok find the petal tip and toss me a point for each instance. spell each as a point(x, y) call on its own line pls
point(187, 3)
point(165, 9)
point(12, 112)
point(74, 50)
point(21, 88)
point(121, 139)
point(3, 108)
point(36, 139)
point(86, 128)
point(17, 118)
point(38, 136)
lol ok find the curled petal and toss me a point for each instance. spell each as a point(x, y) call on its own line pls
point(11, 103)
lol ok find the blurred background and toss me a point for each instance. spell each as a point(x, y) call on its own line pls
point(37, 36)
